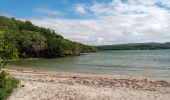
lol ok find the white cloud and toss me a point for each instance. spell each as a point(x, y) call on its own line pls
point(102, 9)
point(49, 11)
point(80, 8)
point(116, 22)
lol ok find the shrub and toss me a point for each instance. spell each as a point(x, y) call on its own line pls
point(7, 85)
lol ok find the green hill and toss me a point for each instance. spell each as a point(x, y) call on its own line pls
point(135, 46)
point(34, 41)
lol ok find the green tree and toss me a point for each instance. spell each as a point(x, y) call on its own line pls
point(7, 83)
point(31, 43)
point(7, 50)
point(34, 41)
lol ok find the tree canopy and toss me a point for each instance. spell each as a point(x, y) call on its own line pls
point(135, 46)
point(34, 41)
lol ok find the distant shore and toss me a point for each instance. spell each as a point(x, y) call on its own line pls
point(49, 85)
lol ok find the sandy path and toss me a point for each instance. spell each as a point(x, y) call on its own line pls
point(72, 86)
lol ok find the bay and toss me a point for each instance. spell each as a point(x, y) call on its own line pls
point(142, 63)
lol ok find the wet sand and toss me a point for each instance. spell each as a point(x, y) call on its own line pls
point(49, 85)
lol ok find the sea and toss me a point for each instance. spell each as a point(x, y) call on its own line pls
point(133, 63)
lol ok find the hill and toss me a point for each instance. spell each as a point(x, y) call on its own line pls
point(35, 41)
point(135, 46)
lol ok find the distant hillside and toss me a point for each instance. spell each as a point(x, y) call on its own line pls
point(34, 41)
point(135, 46)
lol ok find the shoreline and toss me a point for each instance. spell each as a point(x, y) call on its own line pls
point(33, 70)
point(19, 68)
point(43, 85)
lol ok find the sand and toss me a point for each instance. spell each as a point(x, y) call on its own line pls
point(48, 85)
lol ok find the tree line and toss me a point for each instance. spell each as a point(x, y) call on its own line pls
point(140, 46)
point(34, 41)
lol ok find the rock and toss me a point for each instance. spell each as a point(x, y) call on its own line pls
point(74, 76)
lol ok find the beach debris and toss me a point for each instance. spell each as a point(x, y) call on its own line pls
point(22, 85)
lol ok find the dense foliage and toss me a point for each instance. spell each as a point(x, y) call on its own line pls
point(7, 84)
point(7, 51)
point(142, 46)
point(34, 41)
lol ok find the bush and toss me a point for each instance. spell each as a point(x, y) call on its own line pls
point(7, 85)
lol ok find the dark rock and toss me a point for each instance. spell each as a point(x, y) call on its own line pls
point(74, 77)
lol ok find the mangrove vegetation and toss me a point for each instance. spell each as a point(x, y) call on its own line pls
point(34, 41)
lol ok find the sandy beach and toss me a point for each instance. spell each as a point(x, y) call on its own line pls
point(48, 85)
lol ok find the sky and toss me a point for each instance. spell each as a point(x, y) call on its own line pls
point(97, 22)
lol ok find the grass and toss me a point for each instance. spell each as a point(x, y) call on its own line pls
point(7, 85)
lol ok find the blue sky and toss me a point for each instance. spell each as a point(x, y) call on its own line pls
point(28, 8)
point(97, 22)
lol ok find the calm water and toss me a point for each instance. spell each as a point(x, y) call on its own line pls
point(150, 63)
